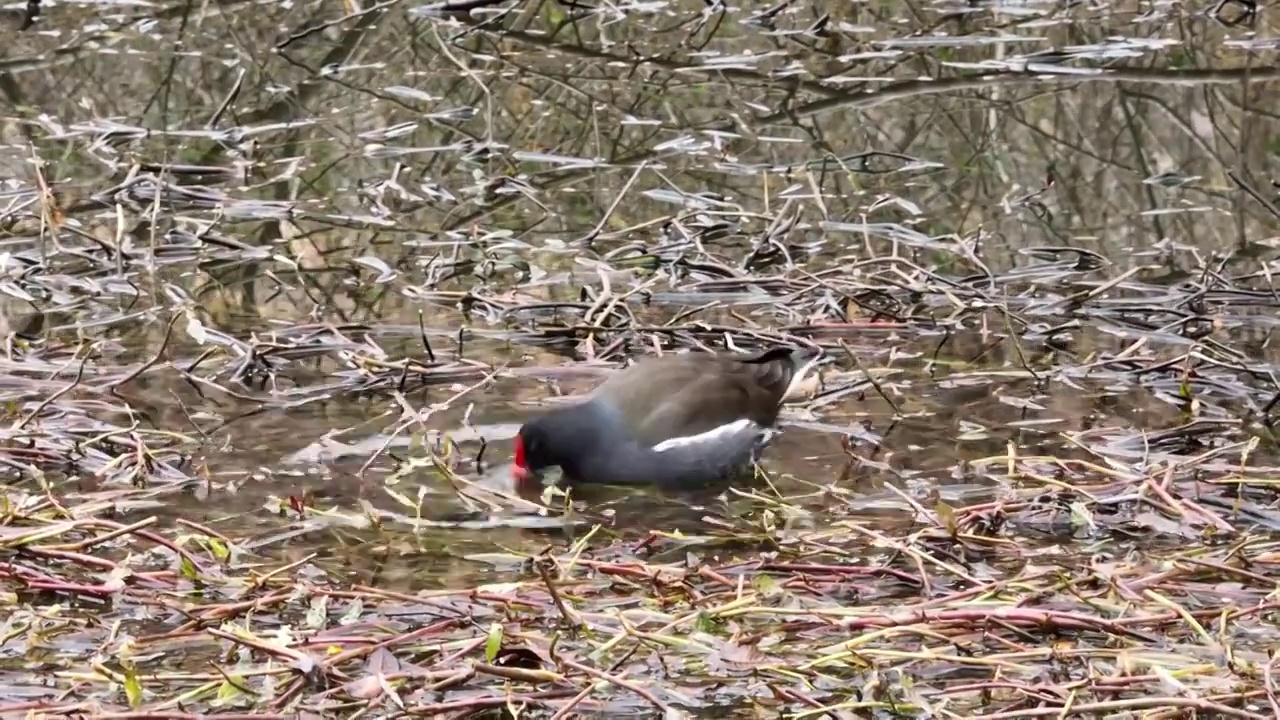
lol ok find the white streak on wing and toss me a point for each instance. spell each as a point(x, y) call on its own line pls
point(713, 435)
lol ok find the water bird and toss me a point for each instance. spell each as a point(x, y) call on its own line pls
point(681, 420)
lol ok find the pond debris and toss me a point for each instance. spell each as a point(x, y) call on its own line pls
point(274, 296)
point(951, 611)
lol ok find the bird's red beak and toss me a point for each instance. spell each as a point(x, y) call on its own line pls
point(519, 469)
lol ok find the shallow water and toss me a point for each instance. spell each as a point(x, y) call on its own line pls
point(1046, 230)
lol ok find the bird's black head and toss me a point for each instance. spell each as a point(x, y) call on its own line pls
point(562, 438)
point(534, 451)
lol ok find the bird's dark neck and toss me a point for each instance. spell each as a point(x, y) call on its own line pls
point(582, 428)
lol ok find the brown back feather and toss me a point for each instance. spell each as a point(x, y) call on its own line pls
point(689, 393)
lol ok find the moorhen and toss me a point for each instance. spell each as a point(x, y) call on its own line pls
point(677, 421)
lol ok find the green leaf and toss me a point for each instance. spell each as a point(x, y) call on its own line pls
point(765, 585)
point(219, 549)
point(494, 643)
point(707, 623)
point(188, 569)
point(229, 694)
point(133, 687)
point(947, 516)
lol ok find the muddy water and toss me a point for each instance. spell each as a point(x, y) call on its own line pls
point(397, 168)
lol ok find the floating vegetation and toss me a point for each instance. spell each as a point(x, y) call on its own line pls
point(277, 286)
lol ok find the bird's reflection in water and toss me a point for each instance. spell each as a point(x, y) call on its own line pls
point(633, 511)
point(562, 516)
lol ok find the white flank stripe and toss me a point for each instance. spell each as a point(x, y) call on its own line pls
point(713, 435)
